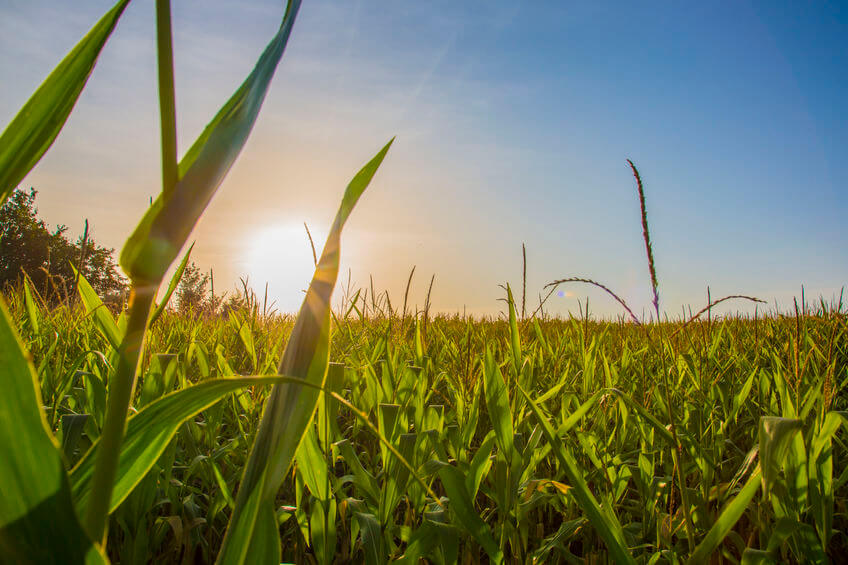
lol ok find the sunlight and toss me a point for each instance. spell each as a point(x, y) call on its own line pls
point(281, 256)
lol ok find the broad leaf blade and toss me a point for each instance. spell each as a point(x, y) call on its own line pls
point(463, 508)
point(372, 539)
point(102, 317)
point(31, 133)
point(290, 408)
point(726, 520)
point(150, 431)
point(497, 403)
point(38, 523)
point(775, 436)
point(172, 286)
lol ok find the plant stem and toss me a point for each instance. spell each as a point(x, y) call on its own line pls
point(167, 106)
point(121, 388)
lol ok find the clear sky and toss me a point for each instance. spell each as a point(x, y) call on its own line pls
point(513, 123)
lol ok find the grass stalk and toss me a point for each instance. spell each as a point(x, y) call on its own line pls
point(121, 388)
point(523, 281)
point(606, 289)
point(311, 244)
point(167, 104)
point(122, 384)
point(646, 235)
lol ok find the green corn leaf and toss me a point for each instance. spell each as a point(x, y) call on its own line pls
point(387, 423)
point(775, 437)
point(312, 466)
point(397, 477)
point(165, 227)
point(424, 540)
point(38, 522)
point(150, 431)
point(740, 397)
point(578, 414)
point(647, 416)
point(372, 539)
point(31, 133)
point(604, 523)
point(427, 539)
point(265, 541)
point(362, 479)
point(514, 336)
point(463, 507)
point(480, 465)
point(289, 408)
point(172, 286)
point(72, 427)
point(31, 308)
point(322, 522)
point(246, 337)
point(469, 427)
point(102, 317)
point(726, 520)
point(497, 403)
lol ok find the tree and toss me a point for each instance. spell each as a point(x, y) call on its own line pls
point(192, 294)
point(28, 246)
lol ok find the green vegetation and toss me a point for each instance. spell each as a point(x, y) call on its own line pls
point(49, 258)
point(522, 440)
point(438, 400)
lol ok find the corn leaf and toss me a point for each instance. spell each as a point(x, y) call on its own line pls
point(313, 466)
point(103, 319)
point(289, 408)
point(514, 336)
point(497, 403)
point(726, 520)
point(31, 133)
point(604, 523)
point(165, 227)
point(775, 437)
point(372, 539)
point(150, 431)
point(172, 286)
point(463, 507)
point(38, 522)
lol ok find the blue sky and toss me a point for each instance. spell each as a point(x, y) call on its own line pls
point(513, 124)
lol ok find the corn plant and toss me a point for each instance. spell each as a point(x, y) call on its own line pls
point(253, 437)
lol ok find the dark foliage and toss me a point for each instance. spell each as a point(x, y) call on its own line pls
point(28, 246)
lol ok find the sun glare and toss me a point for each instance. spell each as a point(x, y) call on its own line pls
point(281, 256)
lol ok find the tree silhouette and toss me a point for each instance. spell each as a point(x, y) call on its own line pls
point(28, 246)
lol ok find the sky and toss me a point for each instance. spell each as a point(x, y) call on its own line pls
point(513, 123)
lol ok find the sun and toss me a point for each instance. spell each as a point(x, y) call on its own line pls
point(281, 256)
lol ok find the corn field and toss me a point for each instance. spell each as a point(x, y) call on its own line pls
point(364, 434)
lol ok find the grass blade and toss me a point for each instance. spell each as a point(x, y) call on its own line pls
point(775, 436)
